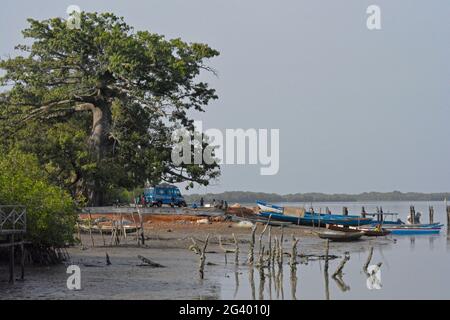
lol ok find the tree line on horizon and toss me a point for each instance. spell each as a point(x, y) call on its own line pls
point(248, 197)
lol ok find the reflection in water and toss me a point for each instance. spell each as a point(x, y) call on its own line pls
point(252, 281)
point(236, 279)
point(412, 243)
point(262, 281)
point(431, 242)
point(294, 283)
point(327, 284)
point(340, 283)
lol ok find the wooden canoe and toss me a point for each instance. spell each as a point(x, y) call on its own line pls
point(340, 236)
point(370, 232)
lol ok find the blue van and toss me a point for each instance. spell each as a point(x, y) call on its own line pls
point(164, 194)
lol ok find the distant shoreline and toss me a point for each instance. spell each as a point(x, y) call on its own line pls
point(248, 197)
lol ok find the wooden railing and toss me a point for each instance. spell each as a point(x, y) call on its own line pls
point(13, 219)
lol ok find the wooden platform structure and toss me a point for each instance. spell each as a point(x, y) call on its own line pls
point(13, 226)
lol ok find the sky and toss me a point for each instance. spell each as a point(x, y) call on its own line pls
point(358, 110)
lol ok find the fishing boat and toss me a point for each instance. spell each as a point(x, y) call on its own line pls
point(308, 218)
point(267, 207)
point(398, 227)
point(367, 231)
point(415, 229)
point(340, 236)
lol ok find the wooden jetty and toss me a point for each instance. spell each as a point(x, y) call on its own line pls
point(13, 225)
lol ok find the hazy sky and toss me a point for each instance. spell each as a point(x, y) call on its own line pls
point(357, 110)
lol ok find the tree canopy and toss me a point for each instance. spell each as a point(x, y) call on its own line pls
point(98, 105)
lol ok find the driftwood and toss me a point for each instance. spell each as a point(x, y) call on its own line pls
point(149, 263)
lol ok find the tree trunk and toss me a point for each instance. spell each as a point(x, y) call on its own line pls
point(99, 143)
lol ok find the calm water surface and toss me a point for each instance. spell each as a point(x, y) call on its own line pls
point(412, 267)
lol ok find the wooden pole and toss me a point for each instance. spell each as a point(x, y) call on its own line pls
point(448, 217)
point(327, 289)
point(431, 214)
point(90, 229)
point(11, 259)
point(22, 260)
point(363, 212)
point(412, 215)
point(203, 258)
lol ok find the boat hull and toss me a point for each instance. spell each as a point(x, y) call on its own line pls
point(340, 236)
point(319, 220)
point(411, 231)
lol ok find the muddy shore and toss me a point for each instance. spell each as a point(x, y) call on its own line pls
point(167, 243)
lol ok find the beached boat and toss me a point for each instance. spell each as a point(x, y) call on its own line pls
point(340, 236)
point(310, 219)
point(267, 207)
point(257, 219)
point(367, 231)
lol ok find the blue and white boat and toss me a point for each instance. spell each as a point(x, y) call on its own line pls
point(311, 219)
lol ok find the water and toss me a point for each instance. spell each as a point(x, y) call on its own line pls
point(412, 267)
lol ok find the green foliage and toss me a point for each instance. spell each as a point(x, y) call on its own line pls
point(51, 212)
point(98, 105)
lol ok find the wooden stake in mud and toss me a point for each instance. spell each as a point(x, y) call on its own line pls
point(141, 221)
point(22, 259)
point(327, 286)
point(281, 252)
point(203, 258)
point(79, 234)
point(225, 250)
point(251, 252)
point(412, 214)
point(100, 227)
point(448, 218)
point(90, 229)
point(363, 212)
point(269, 260)
point(293, 261)
point(236, 251)
point(431, 214)
point(11, 259)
